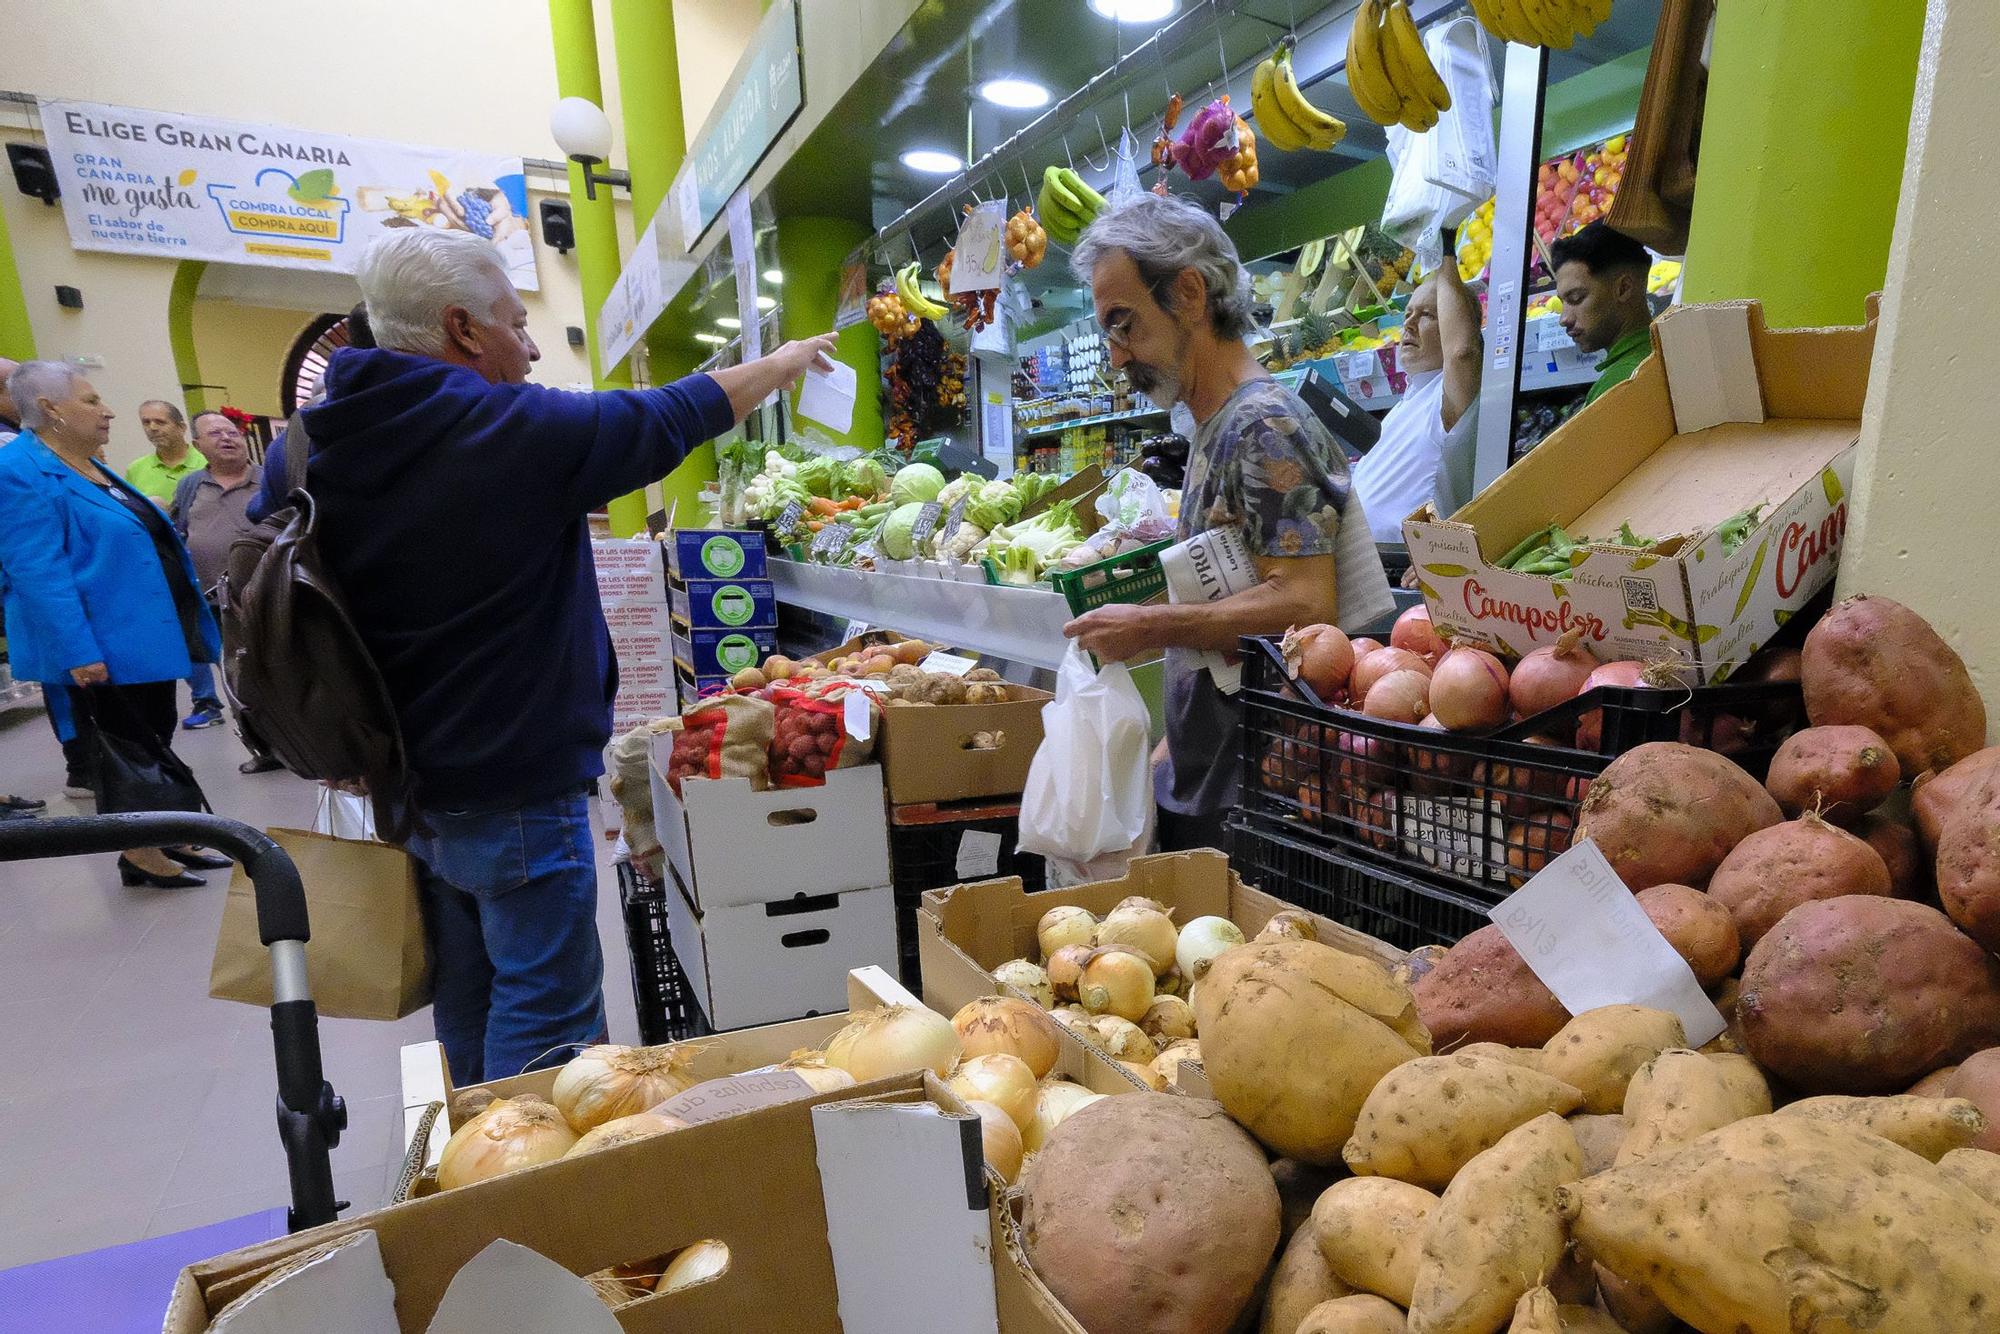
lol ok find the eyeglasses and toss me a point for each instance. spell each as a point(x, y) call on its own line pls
point(1118, 329)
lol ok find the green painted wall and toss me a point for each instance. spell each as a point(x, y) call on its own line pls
point(810, 253)
point(17, 336)
point(1802, 152)
point(180, 332)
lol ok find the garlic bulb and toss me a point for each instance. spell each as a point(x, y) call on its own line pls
point(510, 1134)
point(607, 1081)
point(696, 1264)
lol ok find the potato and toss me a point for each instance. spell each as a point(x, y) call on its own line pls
point(1355, 1315)
point(1933, 797)
point(1293, 1036)
point(1496, 1231)
point(1775, 870)
point(1895, 841)
point(1535, 1313)
point(1371, 1231)
point(1865, 995)
point(1785, 1223)
point(1842, 772)
point(1197, 1215)
point(1977, 1169)
point(1874, 663)
point(1529, 1058)
point(1978, 1078)
point(1418, 962)
point(1632, 1305)
point(1430, 1117)
point(1667, 814)
point(1700, 930)
point(1599, 1138)
point(1585, 1320)
point(1601, 1049)
point(1968, 868)
point(1300, 1281)
point(1928, 1127)
point(1680, 1095)
point(1484, 991)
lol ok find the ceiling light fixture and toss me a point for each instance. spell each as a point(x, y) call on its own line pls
point(931, 162)
point(716, 340)
point(1020, 94)
point(728, 322)
point(774, 276)
point(766, 303)
point(1135, 11)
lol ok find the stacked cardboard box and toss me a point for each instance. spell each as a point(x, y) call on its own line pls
point(723, 608)
point(632, 585)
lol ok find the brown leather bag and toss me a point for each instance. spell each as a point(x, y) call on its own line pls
point(295, 664)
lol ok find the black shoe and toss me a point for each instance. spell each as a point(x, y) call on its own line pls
point(260, 764)
point(13, 805)
point(200, 861)
point(131, 873)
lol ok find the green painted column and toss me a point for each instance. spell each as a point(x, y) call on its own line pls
point(1803, 138)
point(17, 336)
point(180, 332)
point(810, 254)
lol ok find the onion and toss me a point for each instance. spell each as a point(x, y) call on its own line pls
point(1138, 903)
point(1059, 1101)
point(1380, 664)
point(510, 1134)
point(1117, 981)
point(624, 1130)
point(1145, 931)
point(1067, 925)
point(1014, 1027)
point(1200, 941)
point(1326, 660)
point(1402, 696)
point(1065, 969)
point(1003, 1080)
point(1029, 978)
point(999, 1137)
point(1533, 845)
point(1523, 788)
point(1171, 983)
point(1121, 1039)
point(1552, 675)
point(811, 1066)
point(606, 1081)
point(1168, 1063)
point(894, 1040)
point(1075, 1018)
point(1627, 672)
point(1469, 690)
point(1413, 631)
point(1364, 646)
point(1437, 763)
point(695, 1264)
point(1289, 924)
point(1167, 1018)
point(1145, 1074)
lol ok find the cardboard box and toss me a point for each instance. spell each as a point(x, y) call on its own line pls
point(633, 707)
point(927, 753)
point(715, 553)
point(732, 845)
point(708, 652)
point(628, 571)
point(639, 620)
point(1725, 415)
point(693, 689)
point(641, 644)
point(723, 604)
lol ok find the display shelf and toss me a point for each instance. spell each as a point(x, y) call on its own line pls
point(1056, 428)
point(1021, 625)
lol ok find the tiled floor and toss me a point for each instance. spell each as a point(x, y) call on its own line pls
point(131, 1104)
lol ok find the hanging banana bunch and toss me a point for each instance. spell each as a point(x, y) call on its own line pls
point(1067, 204)
point(1289, 123)
point(1388, 70)
point(912, 296)
point(1555, 23)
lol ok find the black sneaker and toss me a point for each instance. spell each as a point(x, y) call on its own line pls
point(203, 716)
point(13, 805)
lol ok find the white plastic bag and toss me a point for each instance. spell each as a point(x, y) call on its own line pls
point(1089, 795)
point(1439, 177)
point(1125, 177)
point(344, 815)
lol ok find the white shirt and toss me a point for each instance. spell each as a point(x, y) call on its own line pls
point(1399, 475)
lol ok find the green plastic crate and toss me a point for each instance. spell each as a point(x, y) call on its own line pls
point(1133, 576)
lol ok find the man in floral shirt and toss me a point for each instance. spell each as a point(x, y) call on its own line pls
point(1174, 303)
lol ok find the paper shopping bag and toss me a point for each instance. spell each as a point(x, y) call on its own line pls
point(367, 958)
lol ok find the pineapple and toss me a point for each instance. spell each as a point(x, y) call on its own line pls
point(1313, 335)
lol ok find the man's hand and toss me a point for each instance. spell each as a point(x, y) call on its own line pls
point(1116, 633)
point(804, 354)
point(90, 674)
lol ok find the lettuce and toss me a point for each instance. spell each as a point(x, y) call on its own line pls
point(864, 477)
point(895, 539)
point(916, 481)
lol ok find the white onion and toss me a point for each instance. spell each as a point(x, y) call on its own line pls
point(1140, 903)
point(1066, 925)
point(1289, 924)
point(812, 1067)
point(1059, 1101)
point(1000, 1138)
point(1168, 1063)
point(510, 1134)
point(694, 1264)
point(606, 1081)
point(623, 1130)
point(894, 1040)
point(1030, 979)
point(1167, 1019)
point(1200, 941)
point(1007, 1024)
point(1122, 1039)
point(1149, 932)
point(1003, 1080)
point(1117, 981)
point(1065, 967)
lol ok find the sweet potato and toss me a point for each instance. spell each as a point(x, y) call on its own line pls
point(1779, 1224)
point(1968, 868)
point(1977, 1169)
point(1726, 998)
point(1681, 1095)
point(1574, 1319)
point(1874, 663)
point(1934, 796)
point(1484, 991)
point(1775, 870)
point(1667, 814)
point(1895, 841)
point(1293, 1036)
point(1430, 1117)
point(1866, 995)
point(1419, 961)
point(1933, 1085)
point(1496, 1231)
point(1842, 772)
point(1299, 1282)
point(1355, 1315)
point(1700, 930)
point(1199, 1215)
point(1977, 1078)
point(1927, 1127)
point(1371, 1231)
point(1600, 1050)
point(1599, 1138)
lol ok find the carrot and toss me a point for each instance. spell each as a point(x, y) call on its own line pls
point(852, 503)
point(822, 506)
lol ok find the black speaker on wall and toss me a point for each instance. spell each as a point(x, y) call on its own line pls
point(557, 227)
point(34, 173)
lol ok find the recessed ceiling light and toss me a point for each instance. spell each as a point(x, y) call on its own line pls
point(1135, 11)
point(728, 322)
point(931, 162)
point(765, 303)
point(1018, 93)
point(774, 276)
point(717, 339)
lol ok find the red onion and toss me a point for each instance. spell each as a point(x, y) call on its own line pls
point(1413, 631)
point(1379, 664)
point(1438, 763)
point(1362, 760)
point(1551, 676)
point(1402, 696)
point(1624, 672)
point(1469, 690)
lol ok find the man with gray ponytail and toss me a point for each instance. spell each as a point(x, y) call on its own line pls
point(1174, 303)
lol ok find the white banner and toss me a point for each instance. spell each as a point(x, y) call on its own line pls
point(196, 187)
point(636, 300)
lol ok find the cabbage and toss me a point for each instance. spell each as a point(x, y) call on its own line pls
point(820, 475)
point(864, 477)
point(896, 538)
point(915, 481)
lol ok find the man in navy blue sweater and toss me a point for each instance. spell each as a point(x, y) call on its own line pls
point(452, 499)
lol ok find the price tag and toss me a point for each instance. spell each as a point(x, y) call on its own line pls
point(788, 519)
point(856, 714)
point(828, 541)
point(978, 854)
point(926, 524)
point(955, 518)
point(950, 663)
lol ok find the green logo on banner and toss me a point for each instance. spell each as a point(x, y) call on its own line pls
point(735, 652)
point(722, 556)
point(733, 605)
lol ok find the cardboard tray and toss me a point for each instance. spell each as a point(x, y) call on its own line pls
point(926, 756)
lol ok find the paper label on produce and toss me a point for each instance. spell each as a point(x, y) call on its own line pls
point(736, 1093)
point(940, 661)
point(978, 854)
point(953, 519)
point(854, 712)
point(828, 540)
point(1586, 937)
point(788, 519)
point(926, 524)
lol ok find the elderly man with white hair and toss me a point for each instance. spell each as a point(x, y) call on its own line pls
point(1174, 303)
point(451, 499)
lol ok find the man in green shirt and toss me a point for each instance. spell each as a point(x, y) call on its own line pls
point(158, 474)
point(1601, 280)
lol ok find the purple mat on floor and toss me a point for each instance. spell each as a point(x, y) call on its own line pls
point(120, 1289)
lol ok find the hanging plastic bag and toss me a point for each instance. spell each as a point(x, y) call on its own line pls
point(1125, 177)
point(1088, 803)
point(1134, 513)
point(1440, 177)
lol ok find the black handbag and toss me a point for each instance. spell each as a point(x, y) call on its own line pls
point(134, 770)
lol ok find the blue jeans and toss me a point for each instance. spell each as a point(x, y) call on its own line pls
point(510, 905)
point(201, 687)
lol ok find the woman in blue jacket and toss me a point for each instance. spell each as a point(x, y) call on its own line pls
point(100, 592)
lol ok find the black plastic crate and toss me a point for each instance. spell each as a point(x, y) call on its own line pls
point(1403, 911)
point(668, 1011)
point(924, 843)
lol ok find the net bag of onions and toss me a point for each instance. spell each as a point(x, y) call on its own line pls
point(726, 737)
point(812, 735)
point(626, 760)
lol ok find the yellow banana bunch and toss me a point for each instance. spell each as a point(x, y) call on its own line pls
point(1067, 205)
point(1555, 23)
point(913, 297)
point(1388, 70)
point(1287, 120)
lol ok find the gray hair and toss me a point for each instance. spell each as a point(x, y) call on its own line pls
point(173, 410)
point(1163, 236)
point(410, 276)
point(33, 381)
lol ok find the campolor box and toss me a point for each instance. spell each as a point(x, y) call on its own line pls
point(723, 604)
point(1726, 415)
point(715, 553)
point(708, 652)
